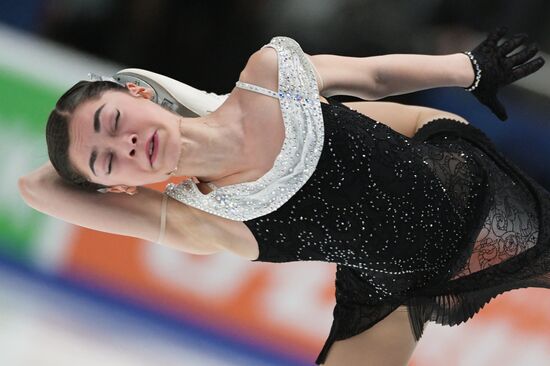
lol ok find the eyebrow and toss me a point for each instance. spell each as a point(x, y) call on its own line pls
point(97, 129)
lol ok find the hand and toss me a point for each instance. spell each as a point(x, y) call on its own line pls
point(496, 69)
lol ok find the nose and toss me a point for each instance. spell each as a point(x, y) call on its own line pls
point(132, 139)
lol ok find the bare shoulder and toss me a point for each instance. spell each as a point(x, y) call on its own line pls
point(262, 69)
point(263, 59)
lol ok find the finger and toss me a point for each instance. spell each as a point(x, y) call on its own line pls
point(523, 55)
point(496, 34)
point(512, 44)
point(527, 69)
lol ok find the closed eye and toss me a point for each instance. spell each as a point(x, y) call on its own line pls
point(116, 120)
point(110, 164)
point(116, 128)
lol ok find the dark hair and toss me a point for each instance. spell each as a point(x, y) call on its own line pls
point(57, 128)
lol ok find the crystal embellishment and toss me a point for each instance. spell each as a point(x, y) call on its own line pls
point(299, 101)
point(477, 71)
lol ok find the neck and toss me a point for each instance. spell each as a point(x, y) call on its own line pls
point(210, 149)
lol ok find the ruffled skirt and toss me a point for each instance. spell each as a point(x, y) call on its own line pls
point(508, 246)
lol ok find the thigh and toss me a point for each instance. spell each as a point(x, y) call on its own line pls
point(399, 117)
point(389, 342)
point(403, 118)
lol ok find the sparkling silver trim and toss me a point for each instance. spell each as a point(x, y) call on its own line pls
point(477, 70)
point(299, 101)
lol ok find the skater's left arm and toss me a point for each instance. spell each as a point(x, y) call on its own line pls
point(369, 78)
point(376, 77)
point(483, 71)
point(486, 69)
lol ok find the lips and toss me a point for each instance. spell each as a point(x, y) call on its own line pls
point(154, 141)
point(155, 147)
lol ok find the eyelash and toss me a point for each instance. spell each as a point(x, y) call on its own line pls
point(114, 130)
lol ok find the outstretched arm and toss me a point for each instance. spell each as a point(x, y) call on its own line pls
point(486, 69)
point(376, 77)
point(137, 216)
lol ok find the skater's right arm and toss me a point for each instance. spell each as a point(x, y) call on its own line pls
point(137, 216)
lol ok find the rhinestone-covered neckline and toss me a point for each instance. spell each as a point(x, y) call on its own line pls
point(304, 136)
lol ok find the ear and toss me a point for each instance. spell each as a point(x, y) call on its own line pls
point(139, 91)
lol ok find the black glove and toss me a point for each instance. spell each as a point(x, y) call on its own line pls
point(494, 69)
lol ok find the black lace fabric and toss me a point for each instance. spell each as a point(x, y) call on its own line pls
point(506, 250)
point(511, 246)
point(441, 223)
point(510, 227)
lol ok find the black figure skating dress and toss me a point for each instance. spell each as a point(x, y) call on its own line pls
point(440, 222)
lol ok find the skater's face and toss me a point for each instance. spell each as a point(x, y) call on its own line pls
point(110, 139)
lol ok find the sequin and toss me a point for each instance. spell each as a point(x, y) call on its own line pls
point(440, 222)
point(304, 135)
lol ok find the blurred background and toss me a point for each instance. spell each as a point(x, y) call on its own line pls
point(72, 296)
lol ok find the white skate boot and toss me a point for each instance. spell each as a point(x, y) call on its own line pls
point(172, 94)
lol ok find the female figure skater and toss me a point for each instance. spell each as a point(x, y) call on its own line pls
point(424, 218)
